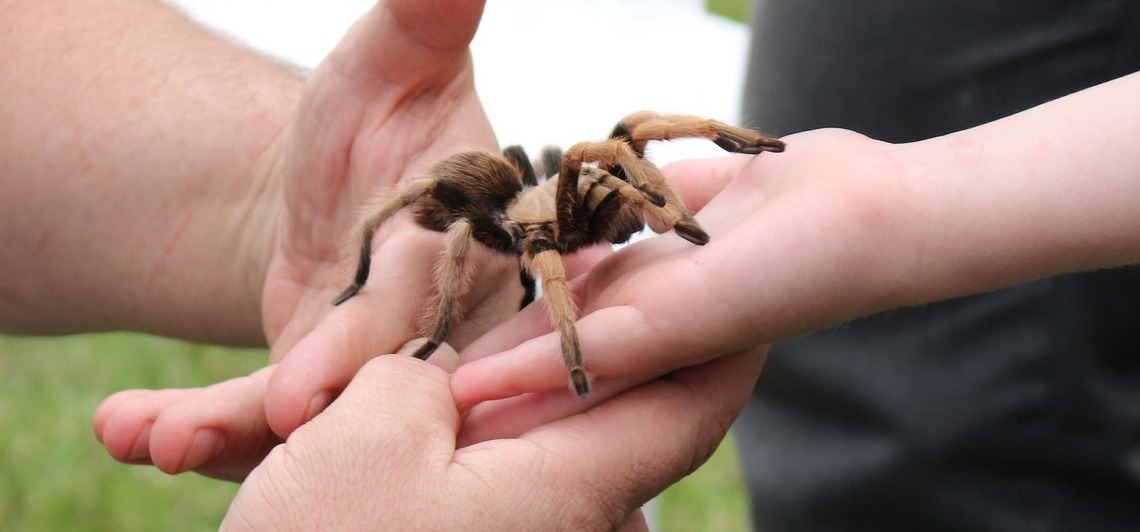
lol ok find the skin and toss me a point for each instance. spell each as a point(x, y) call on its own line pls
point(85, 86)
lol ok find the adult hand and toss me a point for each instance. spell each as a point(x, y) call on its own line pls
point(394, 97)
point(384, 456)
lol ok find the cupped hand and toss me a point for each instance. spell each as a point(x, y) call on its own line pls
point(385, 456)
point(394, 97)
point(799, 240)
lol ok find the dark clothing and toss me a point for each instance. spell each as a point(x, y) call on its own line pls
point(1014, 410)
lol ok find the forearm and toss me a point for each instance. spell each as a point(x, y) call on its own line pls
point(133, 141)
point(1048, 191)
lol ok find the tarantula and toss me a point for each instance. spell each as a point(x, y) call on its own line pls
point(498, 202)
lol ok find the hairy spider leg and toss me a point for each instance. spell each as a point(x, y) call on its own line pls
point(408, 193)
point(529, 291)
point(671, 216)
point(541, 257)
point(567, 214)
point(573, 221)
point(665, 210)
point(617, 157)
point(550, 161)
point(517, 155)
point(641, 127)
point(452, 280)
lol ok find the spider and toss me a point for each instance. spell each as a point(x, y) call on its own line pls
point(603, 192)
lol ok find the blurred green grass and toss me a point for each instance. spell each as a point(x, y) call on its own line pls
point(56, 476)
point(734, 9)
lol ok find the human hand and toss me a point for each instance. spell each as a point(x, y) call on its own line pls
point(397, 423)
point(800, 240)
point(394, 97)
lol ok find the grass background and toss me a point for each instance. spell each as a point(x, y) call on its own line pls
point(56, 476)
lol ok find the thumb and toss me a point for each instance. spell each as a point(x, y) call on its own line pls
point(398, 402)
point(382, 436)
point(399, 49)
point(406, 41)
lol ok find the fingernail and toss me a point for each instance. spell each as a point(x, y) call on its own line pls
point(206, 445)
point(319, 403)
point(411, 346)
point(141, 449)
point(444, 357)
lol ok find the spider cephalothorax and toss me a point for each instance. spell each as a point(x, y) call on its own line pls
point(603, 193)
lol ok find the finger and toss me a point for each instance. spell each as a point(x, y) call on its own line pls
point(697, 181)
point(123, 421)
point(616, 341)
point(514, 416)
point(444, 357)
point(582, 261)
point(389, 387)
point(535, 365)
point(528, 323)
point(382, 443)
point(403, 41)
point(533, 321)
point(219, 430)
point(657, 433)
point(599, 466)
point(636, 522)
point(525, 324)
point(376, 321)
point(403, 57)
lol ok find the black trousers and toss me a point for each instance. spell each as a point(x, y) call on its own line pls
point(1014, 410)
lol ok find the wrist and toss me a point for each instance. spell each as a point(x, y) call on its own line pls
point(254, 218)
point(874, 256)
point(239, 214)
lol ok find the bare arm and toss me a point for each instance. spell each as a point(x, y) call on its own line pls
point(1047, 191)
point(130, 171)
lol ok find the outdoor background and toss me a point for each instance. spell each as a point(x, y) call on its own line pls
point(665, 55)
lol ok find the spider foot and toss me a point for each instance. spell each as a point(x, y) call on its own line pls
point(426, 350)
point(347, 294)
point(580, 383)
point(751, 144)
point(688, 229)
